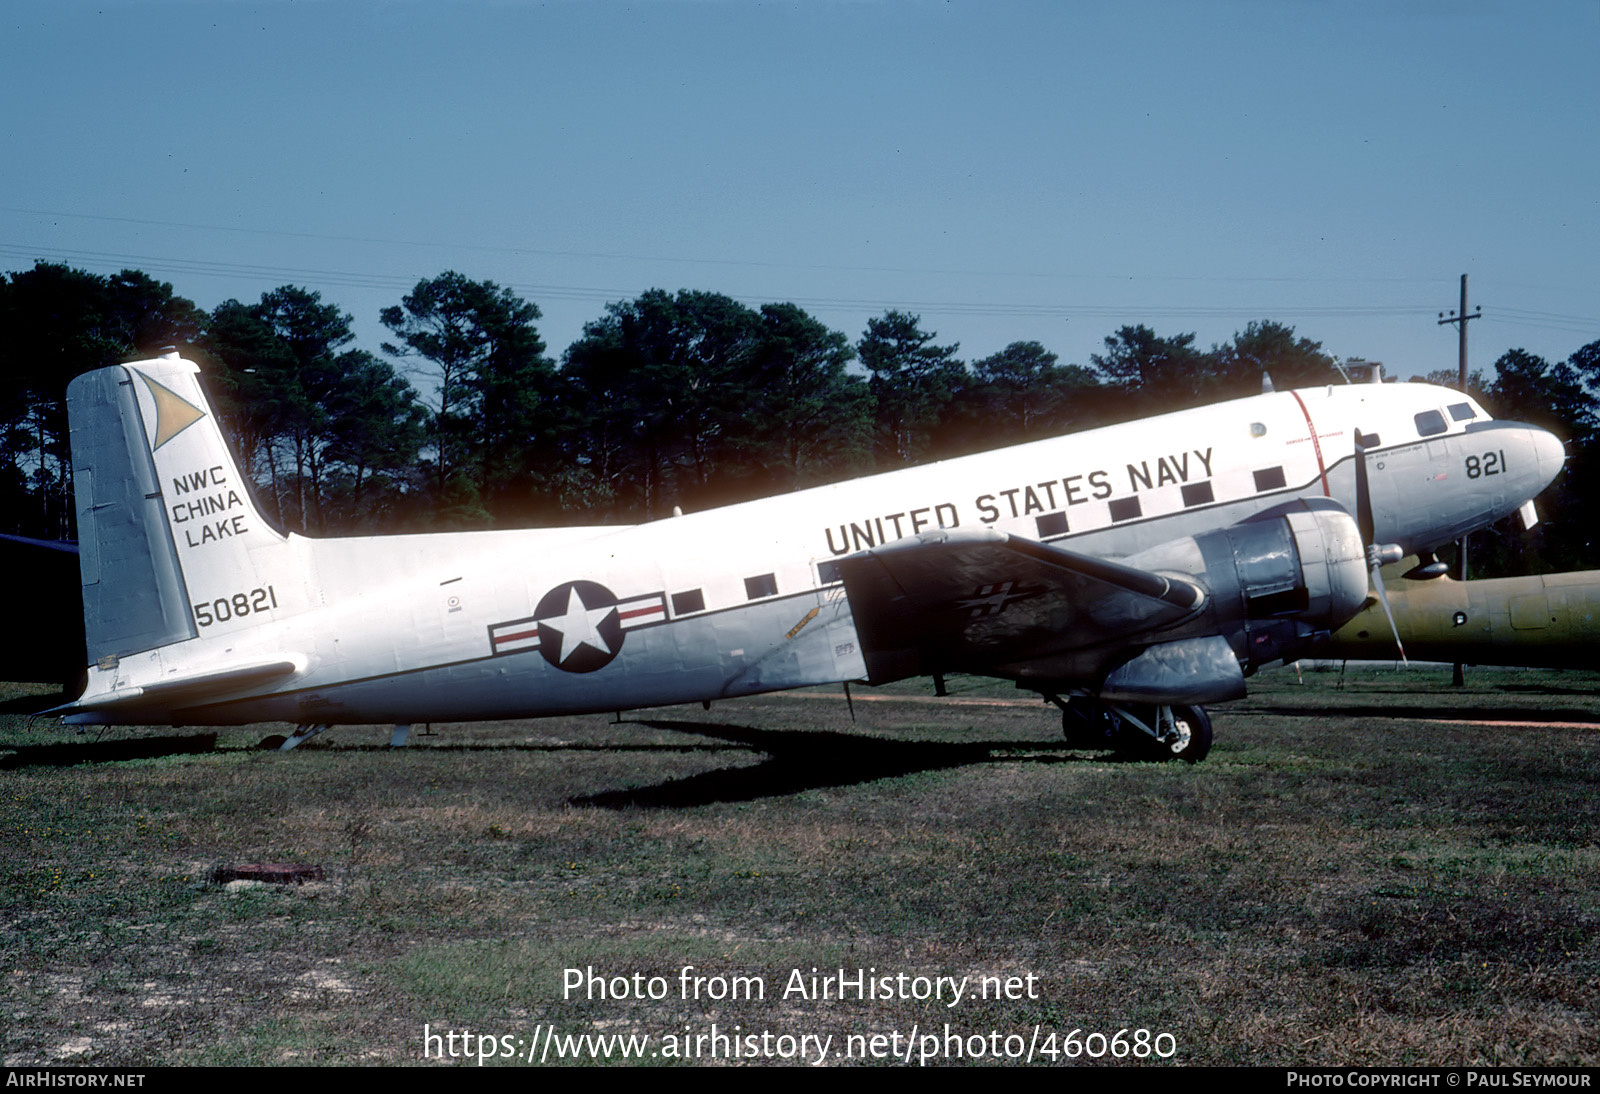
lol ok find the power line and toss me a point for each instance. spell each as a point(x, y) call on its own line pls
point(517, 249)
point(543, 292)
point(536, 292)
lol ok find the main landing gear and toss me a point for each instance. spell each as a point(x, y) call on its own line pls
point(1136, 731)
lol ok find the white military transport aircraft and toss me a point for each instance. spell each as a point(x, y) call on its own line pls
point(1127, 574)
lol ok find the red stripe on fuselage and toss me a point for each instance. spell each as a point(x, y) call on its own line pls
point(1316, 445)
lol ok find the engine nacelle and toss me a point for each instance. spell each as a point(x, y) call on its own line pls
point(1276, 580)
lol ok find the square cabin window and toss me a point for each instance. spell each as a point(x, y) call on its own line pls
point(1125, 509)
point(761, 585)
point(1051, 524)
point(1270, 478)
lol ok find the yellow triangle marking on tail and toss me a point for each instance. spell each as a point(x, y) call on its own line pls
point(174, 413)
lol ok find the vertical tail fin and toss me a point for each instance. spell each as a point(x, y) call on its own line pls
point(171, 544)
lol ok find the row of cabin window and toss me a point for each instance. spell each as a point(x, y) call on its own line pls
point(1429, 423)
point(755, 588)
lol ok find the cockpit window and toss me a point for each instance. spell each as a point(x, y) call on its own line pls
point(1430, 423)
point(1462, 412)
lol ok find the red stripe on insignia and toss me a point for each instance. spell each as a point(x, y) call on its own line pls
point(517, 637)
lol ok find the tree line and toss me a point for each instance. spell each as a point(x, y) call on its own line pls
point(670, 400)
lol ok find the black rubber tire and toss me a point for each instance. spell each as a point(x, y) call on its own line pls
point(1198, 745)
point(1135, 744)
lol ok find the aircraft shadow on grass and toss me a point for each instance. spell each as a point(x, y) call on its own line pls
point(1433, 712)
point(810, 760)
point(1544, 689)
point(797, 760)
point(72, 753)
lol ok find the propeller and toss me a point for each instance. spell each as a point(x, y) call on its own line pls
point(1376, 556)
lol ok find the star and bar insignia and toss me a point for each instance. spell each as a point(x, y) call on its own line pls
point(578, 626)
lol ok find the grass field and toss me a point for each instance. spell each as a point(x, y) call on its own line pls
point(1373, 869)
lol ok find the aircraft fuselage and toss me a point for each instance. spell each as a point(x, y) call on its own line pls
point(732, 601)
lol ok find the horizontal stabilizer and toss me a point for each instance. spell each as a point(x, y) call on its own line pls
point(180, 691)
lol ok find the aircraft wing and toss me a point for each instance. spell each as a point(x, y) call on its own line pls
point(958, 600)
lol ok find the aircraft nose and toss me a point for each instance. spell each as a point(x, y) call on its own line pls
point(1551, 454)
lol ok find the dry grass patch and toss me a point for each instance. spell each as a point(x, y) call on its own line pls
point(1346, 880)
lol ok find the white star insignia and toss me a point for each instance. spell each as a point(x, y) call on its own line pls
point(579, 627)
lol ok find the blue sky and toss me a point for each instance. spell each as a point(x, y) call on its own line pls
point(1044, 171)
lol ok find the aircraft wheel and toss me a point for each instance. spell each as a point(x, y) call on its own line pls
point(1194, 735)
point(1192, 744)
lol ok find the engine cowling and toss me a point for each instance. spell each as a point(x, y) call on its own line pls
point(1274, 583)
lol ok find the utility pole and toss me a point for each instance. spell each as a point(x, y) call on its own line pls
point(1460, 319)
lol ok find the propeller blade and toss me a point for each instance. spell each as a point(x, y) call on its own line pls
point(1383, 598)
point(1368, 528)
point(1363, 495)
